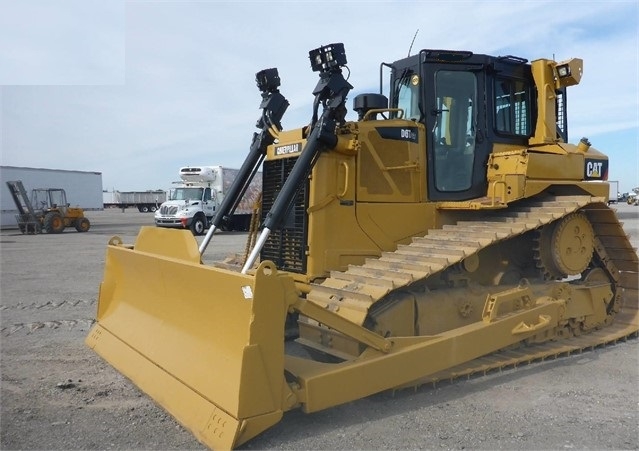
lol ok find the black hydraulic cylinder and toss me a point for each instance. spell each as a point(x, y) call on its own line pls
point(331, 90)
point(273, 106)
point(256, 154)
point(241, 183)
point(299, 173)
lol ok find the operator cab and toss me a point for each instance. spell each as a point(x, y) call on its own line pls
point(467, 104)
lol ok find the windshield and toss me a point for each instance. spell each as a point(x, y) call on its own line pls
point(187, 194)
point(407, 95)
point(47, 198)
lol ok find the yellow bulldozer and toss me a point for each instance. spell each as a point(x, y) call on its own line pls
point(450, 229)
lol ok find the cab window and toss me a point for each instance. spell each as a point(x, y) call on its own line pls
point(407, 95)
point(512, 107)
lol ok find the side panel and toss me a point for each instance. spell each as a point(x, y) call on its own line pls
point(388, 224)
point(555, 167)
point(335, 237)
point(391, 182)
point(366, 202)
point(390, 163)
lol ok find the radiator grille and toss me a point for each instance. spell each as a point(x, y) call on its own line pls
point(171, 210)
point(286, 245)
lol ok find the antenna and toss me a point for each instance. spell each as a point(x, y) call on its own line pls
point(412, 42)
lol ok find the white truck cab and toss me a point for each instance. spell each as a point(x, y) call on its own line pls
point(193, 202)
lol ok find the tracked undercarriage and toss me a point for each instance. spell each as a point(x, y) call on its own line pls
point(500, 261)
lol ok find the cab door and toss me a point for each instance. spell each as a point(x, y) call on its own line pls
point(208, 203)
point(455, 118)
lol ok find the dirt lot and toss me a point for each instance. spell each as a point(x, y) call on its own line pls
point(57, 394)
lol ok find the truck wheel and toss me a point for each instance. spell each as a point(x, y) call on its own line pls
point(153, 209)
point(53, 222)
point(82, 225)
point(198, 225)
point(144, 209)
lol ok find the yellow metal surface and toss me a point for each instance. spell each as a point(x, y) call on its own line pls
point(390, 170)
point(381, 203)
point(326, 385)
point(592, 304)
point(400, 289)
point(352, 299)
point(331, 211)
point(547, 81)
point(219, 347)
point(555, 167)
point(215, 358)
point(625, 327)
point(568, 72)
point(74, 213)
point(567, 247)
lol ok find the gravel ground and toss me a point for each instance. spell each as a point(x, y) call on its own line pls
point(57, 394)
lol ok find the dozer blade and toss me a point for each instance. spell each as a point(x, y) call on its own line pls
point(205, 343)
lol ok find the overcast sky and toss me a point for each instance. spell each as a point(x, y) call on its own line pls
point(136, 89)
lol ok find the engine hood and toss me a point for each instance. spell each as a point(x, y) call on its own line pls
point(181, 203)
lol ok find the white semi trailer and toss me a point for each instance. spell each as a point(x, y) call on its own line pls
point(144, 201)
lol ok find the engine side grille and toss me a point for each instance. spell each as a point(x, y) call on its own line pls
point(286, 245)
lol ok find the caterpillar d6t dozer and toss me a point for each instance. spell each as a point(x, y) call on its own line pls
point(450, 229)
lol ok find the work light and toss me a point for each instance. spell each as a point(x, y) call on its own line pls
point(327, 57)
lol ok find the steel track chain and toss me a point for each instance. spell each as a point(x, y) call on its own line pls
point(351, 293)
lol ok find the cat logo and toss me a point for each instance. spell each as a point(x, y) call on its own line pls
point(593, 169)
point(596, 170)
